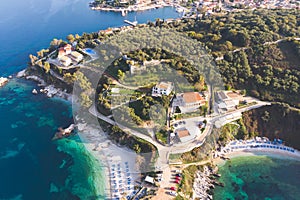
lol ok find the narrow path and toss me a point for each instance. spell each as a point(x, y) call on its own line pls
point(266, 43)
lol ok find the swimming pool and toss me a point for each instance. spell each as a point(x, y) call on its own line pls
point(90, 51)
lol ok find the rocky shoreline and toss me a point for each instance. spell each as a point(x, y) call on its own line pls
point(49, 89)
point(205, 181)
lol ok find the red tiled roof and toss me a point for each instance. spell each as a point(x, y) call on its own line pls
point(191, 97)
point(183, 133)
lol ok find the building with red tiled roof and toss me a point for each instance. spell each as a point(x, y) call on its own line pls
point(183, 135)
point(63, 51)
point(189, 101)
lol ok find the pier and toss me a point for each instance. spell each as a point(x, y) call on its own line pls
point(134, 23)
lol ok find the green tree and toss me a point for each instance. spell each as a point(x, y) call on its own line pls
point(121, 75)
point(85, 100)
point(70, 38)
point(137, 148)
point(69, 78)
point(47, 67)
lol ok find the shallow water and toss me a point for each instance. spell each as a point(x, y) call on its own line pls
point(32, 165)
point(259, 177)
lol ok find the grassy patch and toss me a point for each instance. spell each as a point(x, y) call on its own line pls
point(188, 177)
point(162, 136)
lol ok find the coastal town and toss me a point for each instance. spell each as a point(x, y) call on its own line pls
point(189, 116)
point(191, 9)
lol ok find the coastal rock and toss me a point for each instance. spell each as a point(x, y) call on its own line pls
point(3, 81)
point(21, 74)
point(34, 91)
point(37, 79)
point(51, 91)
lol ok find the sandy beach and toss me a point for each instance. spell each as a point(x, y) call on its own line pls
point(110, 156)
point(257, 152)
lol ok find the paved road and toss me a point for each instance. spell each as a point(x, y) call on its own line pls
point(165, 151)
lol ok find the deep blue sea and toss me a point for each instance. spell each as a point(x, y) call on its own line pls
point(32, 166)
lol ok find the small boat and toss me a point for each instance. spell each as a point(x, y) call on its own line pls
point(217, 175)
point(62, 133)
point(219, 183)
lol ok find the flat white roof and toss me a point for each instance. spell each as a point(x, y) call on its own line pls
point(149, 179)
point(115, 90)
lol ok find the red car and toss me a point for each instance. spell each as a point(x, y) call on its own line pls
point(177, 178)
point(172, 188)
point(176, 181)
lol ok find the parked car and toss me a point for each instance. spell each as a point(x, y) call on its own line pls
point(173, 188)
point(173, 193)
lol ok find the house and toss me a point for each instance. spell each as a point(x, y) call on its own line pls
point(123, 1)
point(189, 101)
point(142, 2)
point(76, 56)
point(65, 50)
point(106, 32)
point(183, 135)
point(228, 100)
point(162, 88)
point(65, 61)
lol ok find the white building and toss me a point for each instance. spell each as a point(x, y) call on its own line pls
point(65, 61)
point(76, 56)
point(228, 100)
point(162, 88)
point(149, 179)
point(65, 50)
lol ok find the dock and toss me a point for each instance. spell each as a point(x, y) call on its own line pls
point(134, 23)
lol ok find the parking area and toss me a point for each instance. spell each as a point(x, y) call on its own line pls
point(192, 126)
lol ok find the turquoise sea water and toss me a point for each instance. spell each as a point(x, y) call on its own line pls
point(32, 166)
point(259, 177)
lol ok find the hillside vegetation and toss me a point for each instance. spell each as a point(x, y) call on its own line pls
point(276, 121)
